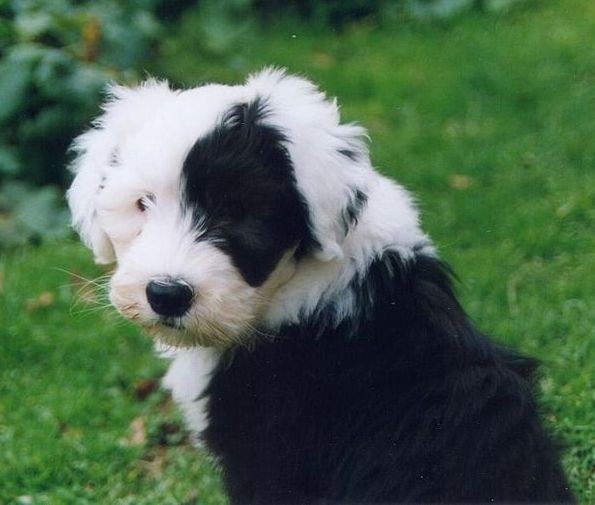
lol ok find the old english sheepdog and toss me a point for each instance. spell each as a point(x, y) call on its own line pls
point(317, 346)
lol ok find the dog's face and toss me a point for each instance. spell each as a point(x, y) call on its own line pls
point(205, 199)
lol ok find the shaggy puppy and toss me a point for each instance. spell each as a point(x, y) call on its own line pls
point(319, 349)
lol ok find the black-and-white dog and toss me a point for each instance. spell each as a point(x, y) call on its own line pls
point(319, 349)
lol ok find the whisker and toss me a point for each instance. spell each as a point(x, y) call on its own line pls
point(90, 310)
point(81, 278)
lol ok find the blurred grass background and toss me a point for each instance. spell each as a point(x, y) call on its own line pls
point(486, 110)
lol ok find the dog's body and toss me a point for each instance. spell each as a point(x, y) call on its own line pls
point(335, 364)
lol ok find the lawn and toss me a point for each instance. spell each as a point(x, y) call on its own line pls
point(490, 120)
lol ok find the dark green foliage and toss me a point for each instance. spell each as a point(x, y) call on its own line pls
point(34, 213)
point(220, 26)
point(332, 12)
point(336, 13)
point(441, 9)
point(50, 97)
point(55, 59)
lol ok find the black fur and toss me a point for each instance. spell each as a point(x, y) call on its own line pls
point(405, 402)
point(353, 209)
point(351, 154)
point(240, 184)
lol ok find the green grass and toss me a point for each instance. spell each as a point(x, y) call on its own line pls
point(489, 120)
point(70, 381)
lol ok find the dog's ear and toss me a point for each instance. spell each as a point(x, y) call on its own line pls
point(330, 159)
point(96, 157)
point(82, 196)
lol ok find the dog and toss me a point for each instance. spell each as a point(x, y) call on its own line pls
point(318, 348)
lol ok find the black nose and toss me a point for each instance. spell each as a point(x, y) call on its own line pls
point(170, 298)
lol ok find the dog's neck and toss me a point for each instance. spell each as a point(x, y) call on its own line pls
point(388, 222)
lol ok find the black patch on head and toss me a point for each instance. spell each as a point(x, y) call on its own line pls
point(240, 186)
point(353, 209)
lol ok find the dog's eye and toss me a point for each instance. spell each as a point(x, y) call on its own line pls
point(143, 203)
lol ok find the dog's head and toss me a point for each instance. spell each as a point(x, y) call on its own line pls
point(207, 198)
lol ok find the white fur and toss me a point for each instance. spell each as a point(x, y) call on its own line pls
point(136, 149)
point(187, 377)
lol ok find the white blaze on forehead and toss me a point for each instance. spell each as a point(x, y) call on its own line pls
point(158, 148)
point(167, 242)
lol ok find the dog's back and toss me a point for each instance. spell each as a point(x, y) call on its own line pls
point(405, 402)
